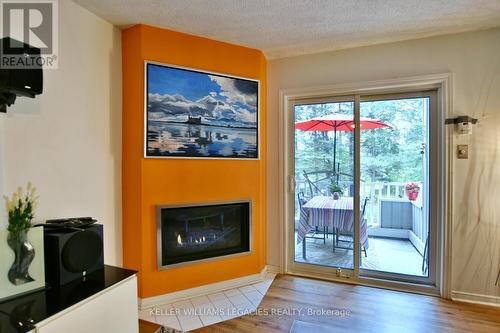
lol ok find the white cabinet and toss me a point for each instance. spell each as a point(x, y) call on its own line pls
point(113, 310)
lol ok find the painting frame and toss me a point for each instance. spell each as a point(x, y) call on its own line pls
point(148, 155)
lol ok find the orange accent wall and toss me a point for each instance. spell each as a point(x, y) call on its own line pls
point(148, 182)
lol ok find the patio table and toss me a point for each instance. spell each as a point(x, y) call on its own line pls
point(324, 211)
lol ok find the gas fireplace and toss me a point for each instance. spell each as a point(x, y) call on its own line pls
point(191, 233)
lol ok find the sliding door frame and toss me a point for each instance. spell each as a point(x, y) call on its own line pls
point(441, 83)
point(430, 193)
point(292, 265)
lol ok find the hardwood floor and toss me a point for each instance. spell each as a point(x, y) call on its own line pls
point(147, 327)
point(356, 309)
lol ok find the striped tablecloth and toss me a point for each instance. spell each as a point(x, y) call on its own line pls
point(323, 211)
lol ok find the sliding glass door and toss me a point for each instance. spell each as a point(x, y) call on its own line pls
point(361, 207)
point(324, 176)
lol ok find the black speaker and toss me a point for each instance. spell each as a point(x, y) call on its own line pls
point(72, 253)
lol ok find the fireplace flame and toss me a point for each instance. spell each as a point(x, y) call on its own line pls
point(179, 240)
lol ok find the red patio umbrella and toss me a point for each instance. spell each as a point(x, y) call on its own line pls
point(337, 122)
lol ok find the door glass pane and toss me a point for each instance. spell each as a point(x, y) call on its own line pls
point(324, 175)
point(394, 185)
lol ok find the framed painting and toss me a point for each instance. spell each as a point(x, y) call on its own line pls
point(197, 114)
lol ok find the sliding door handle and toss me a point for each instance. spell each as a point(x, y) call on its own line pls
point(292, 184)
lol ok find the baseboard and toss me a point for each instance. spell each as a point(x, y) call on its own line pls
point(273, 269)
point(475, 298)
point(202, 290)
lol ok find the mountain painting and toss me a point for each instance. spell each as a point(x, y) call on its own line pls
point(200, 114)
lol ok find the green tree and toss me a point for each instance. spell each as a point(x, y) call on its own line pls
point(387, 155)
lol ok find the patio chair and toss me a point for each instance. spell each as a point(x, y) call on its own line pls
point(319, 181)
point(349, 234)
point(315, 178)
point(302, 200)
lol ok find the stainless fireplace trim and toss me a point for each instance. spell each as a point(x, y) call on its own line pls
point(210, 203)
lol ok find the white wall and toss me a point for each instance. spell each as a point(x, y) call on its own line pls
point(474, 60)
point(3, 213)
point(68, 140)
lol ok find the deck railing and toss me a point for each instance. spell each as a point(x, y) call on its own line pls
point(376, 191)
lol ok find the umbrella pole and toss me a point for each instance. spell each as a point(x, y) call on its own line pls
point(338, 172)
point(335, 152)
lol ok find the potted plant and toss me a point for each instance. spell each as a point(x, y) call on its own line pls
point(336, 190)
point(412, 189)
point(20, 208)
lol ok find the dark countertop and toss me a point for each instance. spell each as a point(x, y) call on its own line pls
point(21, 314)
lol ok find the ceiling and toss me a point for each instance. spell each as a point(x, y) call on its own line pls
point(282, 28)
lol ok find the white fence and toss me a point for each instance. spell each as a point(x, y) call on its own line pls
point(376, 191)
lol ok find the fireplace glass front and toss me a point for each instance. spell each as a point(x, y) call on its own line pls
point(201, 232)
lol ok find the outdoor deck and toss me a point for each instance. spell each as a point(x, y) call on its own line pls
point(384, 254)
point(397, 230)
